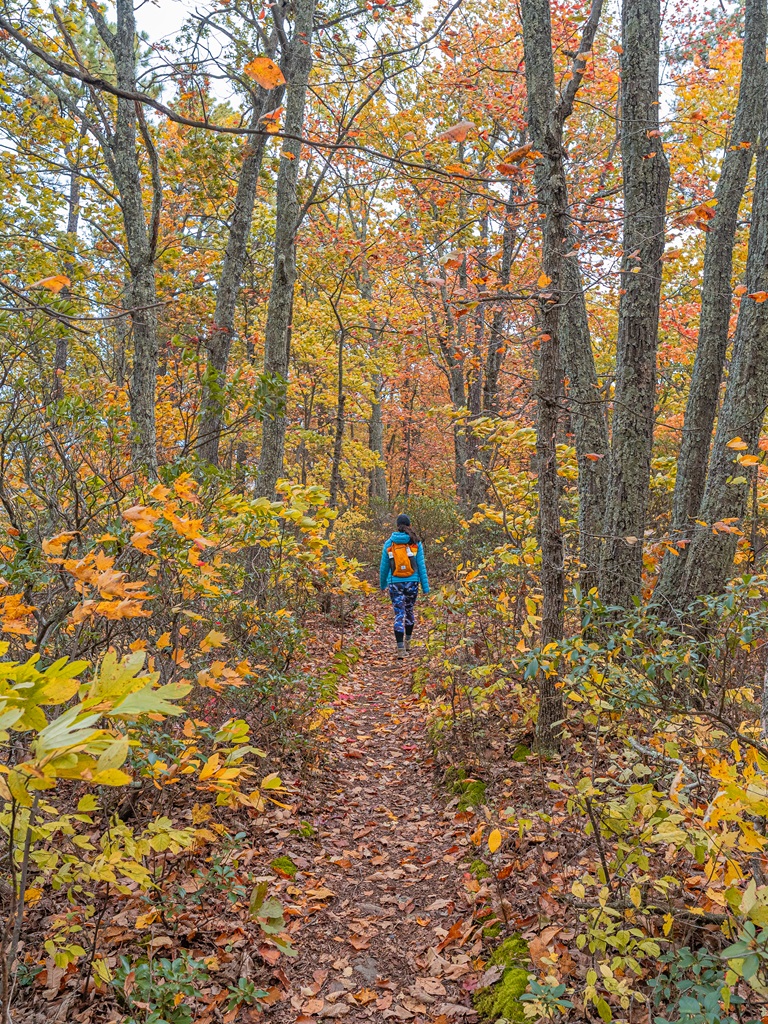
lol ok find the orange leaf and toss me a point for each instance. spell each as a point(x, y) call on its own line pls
point(740, 289)
point(507, 169)
point(265, 72)
point(519, 154)
point(272, 121)
point(53, 284)
point(457, 132)
point(543, 281)
point(758, 296)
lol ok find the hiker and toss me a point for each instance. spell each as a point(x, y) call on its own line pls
point(402, 570)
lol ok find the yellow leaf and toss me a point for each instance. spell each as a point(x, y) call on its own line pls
point(635, 895)
point(748, 460)
point(494, 840)
point(214, 639)
point(265, 72)
point(543, 281)
point(737, 444)
point(111, 777)
point(56, 544)
point(145, 920)
point(210, 767)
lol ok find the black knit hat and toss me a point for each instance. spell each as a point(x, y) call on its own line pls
point(403, 520)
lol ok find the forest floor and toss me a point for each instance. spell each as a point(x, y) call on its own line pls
point(395, 935)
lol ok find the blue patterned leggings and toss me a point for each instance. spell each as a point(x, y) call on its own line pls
point(403, 597)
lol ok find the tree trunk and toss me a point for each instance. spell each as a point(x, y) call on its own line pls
point(338, 440)
point(219, 339)
point(377, 491)
point(141, 240)
point(715, 314)
point(646, 179)
point(547, 116)
point(288, 212)
point(548, 392)
point(497, 341)
point(726, 493)
point(61, 355)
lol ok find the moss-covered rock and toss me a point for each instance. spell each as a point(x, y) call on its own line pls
point(502, 999)
point(284, 866)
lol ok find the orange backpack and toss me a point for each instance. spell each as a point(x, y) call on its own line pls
point(400, 556)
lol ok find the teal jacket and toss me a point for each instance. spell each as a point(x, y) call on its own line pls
point(419, 576)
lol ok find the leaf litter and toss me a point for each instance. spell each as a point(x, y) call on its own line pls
point(389, 930)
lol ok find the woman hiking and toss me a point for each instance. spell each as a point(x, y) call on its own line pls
point(402, 570)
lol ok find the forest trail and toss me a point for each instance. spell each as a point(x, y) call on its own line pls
point(395, 941)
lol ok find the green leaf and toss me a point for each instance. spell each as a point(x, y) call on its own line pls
point(257, 898)
point(153, 701)
point(604, 1010)
point(751, 966)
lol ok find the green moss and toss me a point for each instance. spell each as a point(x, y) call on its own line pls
point(479, 869)
point(304, 829)
point(284, 866)
point(492, 931)
point(471, 792)
point(502, 999)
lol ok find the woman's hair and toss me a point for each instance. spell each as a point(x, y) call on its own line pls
point(404, 524)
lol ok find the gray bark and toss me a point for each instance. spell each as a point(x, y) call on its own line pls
point(710, 558)
point(377, 491)
point(497, 340)
point(219, 340)
point(546, 116)
point(288, 212)
point(122, 156)
point(61, 355)
point(338, 439)
point(716, 301)
point(646, 179)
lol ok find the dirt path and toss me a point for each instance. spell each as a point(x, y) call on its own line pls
point(397, 939)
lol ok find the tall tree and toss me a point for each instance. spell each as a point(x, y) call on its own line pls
point(645, 174)
point(277, 333)
point(118, 136)
point(567, 318)
point(715, 313)
point(740, 421)
point(218, 341)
